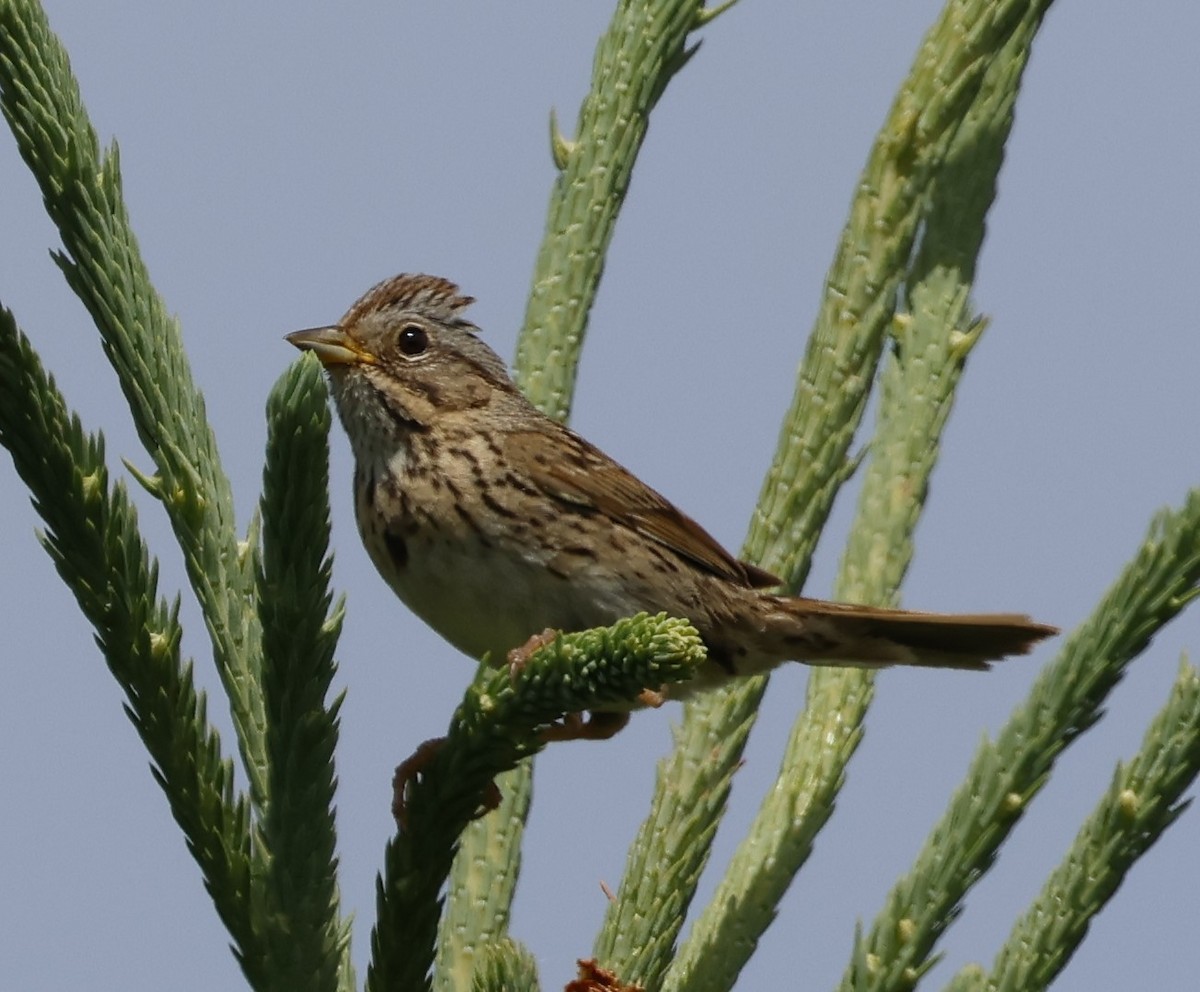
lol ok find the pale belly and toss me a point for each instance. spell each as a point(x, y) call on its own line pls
point(488, 600)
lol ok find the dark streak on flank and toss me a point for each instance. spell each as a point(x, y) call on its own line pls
point(397, 549)
point(368, 488)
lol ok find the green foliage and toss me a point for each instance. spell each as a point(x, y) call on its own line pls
point(642, 50)
point(81, 188)
point(1066, 699)
point(308, 944)
point(1143, 800)
point(952, 81)
point(901, 274)
point(92, 536)
point(505, 966)
point(495, 727)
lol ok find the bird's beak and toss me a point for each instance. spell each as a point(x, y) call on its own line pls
point(331, 345)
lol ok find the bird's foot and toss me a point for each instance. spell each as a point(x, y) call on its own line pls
point(410, 770)
point(518, 657)
point(654, 698)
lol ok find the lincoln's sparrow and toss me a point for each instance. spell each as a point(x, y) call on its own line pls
point(493, 522)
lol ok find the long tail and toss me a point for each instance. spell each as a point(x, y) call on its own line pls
point(816, 631)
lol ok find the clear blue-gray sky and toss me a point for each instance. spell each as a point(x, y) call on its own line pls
point(279, 160)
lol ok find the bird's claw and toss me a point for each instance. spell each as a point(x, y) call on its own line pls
point(518, 657)
point(409, 771)
point(654, 698)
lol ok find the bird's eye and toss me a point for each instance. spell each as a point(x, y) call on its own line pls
point(413, 340)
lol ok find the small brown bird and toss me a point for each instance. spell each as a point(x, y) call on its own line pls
point(494, 522)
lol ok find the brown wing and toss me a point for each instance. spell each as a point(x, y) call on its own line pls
point(580, 474)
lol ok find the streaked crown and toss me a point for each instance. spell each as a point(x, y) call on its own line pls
point(435, 297)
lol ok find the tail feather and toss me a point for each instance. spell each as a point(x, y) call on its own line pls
point(837, 633)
